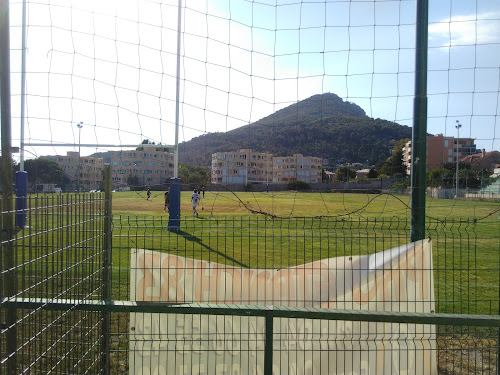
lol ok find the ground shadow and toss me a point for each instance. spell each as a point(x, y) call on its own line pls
point(190, 237)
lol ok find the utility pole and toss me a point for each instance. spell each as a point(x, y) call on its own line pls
point(79, 168)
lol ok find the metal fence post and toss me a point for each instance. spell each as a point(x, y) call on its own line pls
point(419, 134)
point(268, 345)
point(9, 281)
point(106, 319)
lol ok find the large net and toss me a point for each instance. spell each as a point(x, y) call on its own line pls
point(327, 79)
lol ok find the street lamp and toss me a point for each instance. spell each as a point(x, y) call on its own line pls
point(458, 126)
point(80, 126)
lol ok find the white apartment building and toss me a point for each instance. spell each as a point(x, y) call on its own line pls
point(241, 167)
point(247, 166)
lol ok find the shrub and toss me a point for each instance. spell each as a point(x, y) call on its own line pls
point(298, 185)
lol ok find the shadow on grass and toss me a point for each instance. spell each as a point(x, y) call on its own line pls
point(190, 237)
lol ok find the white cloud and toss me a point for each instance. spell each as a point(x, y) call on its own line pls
point(466, 30)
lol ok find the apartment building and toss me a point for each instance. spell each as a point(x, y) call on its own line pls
point(442, 150)
point(91, 169)
point(150, 165)
point(247, 166)
point(241, 167)
point(297, 167)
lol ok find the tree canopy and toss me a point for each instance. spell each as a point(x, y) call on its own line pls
point(44, 171)
point(470, 177)
point(394, 165)
point(344, 174)
point(194, 175)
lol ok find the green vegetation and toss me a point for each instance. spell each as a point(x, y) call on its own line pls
point(322, 126)
point(467, 176)
point(193, 175)
point(134, 182)
point(344, 174)
point(44, 171)
point(393, 166)
point(298, 185)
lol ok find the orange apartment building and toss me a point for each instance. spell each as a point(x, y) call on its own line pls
point(441, 150)
point(151, 166)
point(91, 173)
point(297, 167)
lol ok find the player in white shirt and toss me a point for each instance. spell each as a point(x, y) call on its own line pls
point(195, 199)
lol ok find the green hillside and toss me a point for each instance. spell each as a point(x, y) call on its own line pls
point(323, 125)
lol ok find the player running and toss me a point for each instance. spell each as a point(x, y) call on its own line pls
point(195, 199)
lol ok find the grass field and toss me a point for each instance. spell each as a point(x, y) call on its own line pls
point(284, 229)
point(295, 204)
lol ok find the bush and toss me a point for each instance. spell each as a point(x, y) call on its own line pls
point(298, 185)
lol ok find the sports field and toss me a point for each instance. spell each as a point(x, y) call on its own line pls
point(299, 204)
point(285, 229)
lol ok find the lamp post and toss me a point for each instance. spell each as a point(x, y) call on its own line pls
point(78, 169)
point(458, 126)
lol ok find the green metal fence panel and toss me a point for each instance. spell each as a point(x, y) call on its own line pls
point(465, 269)
point(58, 254)
point(62, 305)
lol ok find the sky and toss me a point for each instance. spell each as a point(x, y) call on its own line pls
point(112, 66)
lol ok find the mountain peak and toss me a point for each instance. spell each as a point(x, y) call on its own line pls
point(322, 125)
point(315, 107)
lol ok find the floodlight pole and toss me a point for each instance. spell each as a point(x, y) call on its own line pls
point(419, 133)
point(79, 168)
point(458, 126)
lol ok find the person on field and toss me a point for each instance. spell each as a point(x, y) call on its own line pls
point(167, 201)
point(148, 193)
point(195, 199)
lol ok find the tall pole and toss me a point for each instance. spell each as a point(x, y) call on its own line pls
point(23, 86)
point(9, 270)
point(177, 92)
point(175, 183)
point(106, 270)
point(458, 126)
point(419, 134)
point(79, 168)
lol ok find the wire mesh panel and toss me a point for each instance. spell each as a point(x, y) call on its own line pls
point(464, 277)
point(58, 255)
